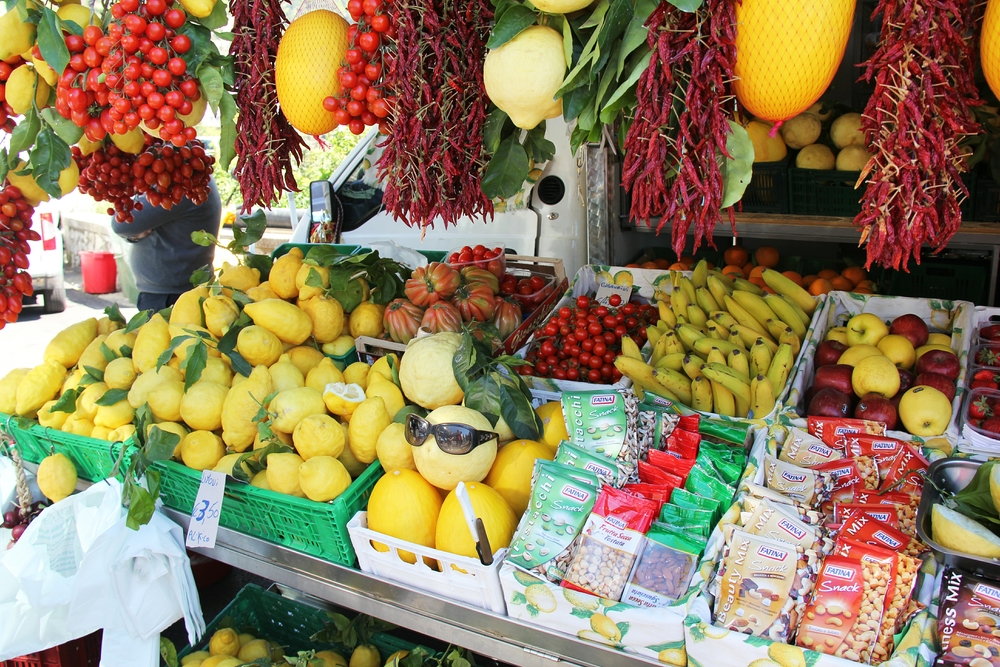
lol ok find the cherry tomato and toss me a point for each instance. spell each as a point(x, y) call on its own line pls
point(177, 66)
point(609, 337)
point(380, 23)
point(174, 18)
point(155, 31)
point(156, 7)
point(615, 300)
point(629, 309)
point(356, 9)
point(600, 348)
point(541, 368)
point(565, 313)
point(355, 108)
point(368, 41)
point(373, 70)
point(91, 34)
point(359, 91)
point(162, 78)
point(583, 301)
point(352, 56)
point(370, 6)
point(181, 43)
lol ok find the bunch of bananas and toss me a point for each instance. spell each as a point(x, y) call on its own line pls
point(722, 344)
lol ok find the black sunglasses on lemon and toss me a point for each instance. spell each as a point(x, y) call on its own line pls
point(451, 438)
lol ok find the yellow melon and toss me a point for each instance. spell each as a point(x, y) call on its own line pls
point(453, 534)
point(510, 475)
point(404, 505)
point(990, 45)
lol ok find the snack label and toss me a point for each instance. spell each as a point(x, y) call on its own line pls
point(805, 450)
point(805, 485)
point(968, 616)
point(597, 421)
point(833, 429)
point(775, 521)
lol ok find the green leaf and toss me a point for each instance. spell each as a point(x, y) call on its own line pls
point(623, 627)
point(108, 354)
point(260, 262)
point(227, 137)
point(3, 164)
point(66, 402)
point(23, 136)
point(201, 45)
point(578, 99)
point(138, 320)
point(125, 351)
point(501, 7)
point(112, 396)
point(636, 33)
point(463, 362)
point(515, 404)
point(203, 238)
point(199, 277)
point(483, 395)
point(168, 652)
point(580, 612)
point(160, 444)
point(217, 18)
point(95, 373)
point(686, 5)
point(757, 641)
point(49, 156)
point(169, 352)
point(597, 16)
point(538, 148)
point(736, 172)
point(114, 314)
point(507, 170)
point(510, 25)
point(518, 598)
point(624, 95)
point(141, 506)
point(616, 21)
point(194, 363)
point(256, 225)
point(567, 34)
point(493, 131)
point(666, 646)
point(64, 127)
point(50, 40)
point(210, 79)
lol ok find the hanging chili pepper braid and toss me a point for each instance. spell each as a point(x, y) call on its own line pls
point(914, 121)
point(433, 160)
point(266, 143)
point(672, 150)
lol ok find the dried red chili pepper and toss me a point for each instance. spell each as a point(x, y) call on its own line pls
point(672, 166)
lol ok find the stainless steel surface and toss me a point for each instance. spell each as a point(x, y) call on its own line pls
point(597, 168)
point(502, 638)
point(950, 475)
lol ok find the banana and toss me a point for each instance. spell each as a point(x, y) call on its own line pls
point(761, 397)
point(739, 362)
point(788, 336)
point(704, 346)
point(716, 356)
point(679, 303)
point(718, 289)
point(688, 287)
point(701, 394)
point(671, 342)
point(722, 400)
point(743, 317)
point(743, 285)
point(726, 280)
point(700, 275)
point(786, 314)
point(771, 345)
point(726, 369)
point(776, 328)
point(677, 384)
point(760, 358)
point(756, 306)
point(723, 318)
point(666, 314)
point(688, 335)
point(630, 348)
point(748, 336)
point(642, 376)
point(674, 361)
point(738, 385)
point(735, 337)
point(653, 334)
point(786, 287)
point(716, 331)
point(664, 326)
point(781, 366)
point(691, 365)
point(705, 300)
point(659, 350)
point(806, 319)
point(696, 315)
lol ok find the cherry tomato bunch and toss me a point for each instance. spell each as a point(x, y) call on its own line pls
point(15, 232)
point(361, 102)
point(6, 113)
point(529, 291)
point(494, 261)
point(163, 173)
point(133, 73)
point(581, 342)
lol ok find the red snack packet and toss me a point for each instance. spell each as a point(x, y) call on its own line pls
point(886, 514)
point(684, 444)
point(863, 528)
point(689, 423)
point(839, 426)
point(903, 584)
point(672, 464)
point(658, 492)
point(650, 474)
point(906, 471)
point(881, 448)
point(842, 495)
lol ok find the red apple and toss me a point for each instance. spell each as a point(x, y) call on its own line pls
point(837, 376)
point(876, 407)
point(938, 381)
point(828, 402)
point(906, 379)
point(938, 361)
point(810, 392)
point(828, 352)
point(910, 327)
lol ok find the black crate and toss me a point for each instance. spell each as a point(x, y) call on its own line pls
point(949, 279)
point(767, 191)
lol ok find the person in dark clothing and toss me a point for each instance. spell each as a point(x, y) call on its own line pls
point(163, 256)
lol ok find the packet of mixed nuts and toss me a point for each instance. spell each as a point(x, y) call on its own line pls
point(906, 506)
point(968, 620)
point(561, 500)
point(780, 522)
point(806, 451)
point(663, 570)
point(882, 448)
point(833, 429)
point(887, 514)
point(615, 473)
point(906, 471)
point(762, 585)
point(863, 528)
point(754, 493)
point(805, 485)
point(611, 539)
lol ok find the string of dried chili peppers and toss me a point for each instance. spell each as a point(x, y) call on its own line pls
point(433, 159)
point(266, 143)
point(672, 167)
point(913, 124)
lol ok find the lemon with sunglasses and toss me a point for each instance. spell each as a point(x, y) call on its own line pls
point(452, 444)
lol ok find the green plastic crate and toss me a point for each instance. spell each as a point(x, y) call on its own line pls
point(26, 438)
point(816, 192)
point(345, 360)
point(318, 529)
point(94, 459)
point(291, 623)
point(343, 249)
point(767, 191)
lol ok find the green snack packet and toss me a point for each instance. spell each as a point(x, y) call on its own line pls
point(705, 483)
point(684, 498)
point(562, 498)
point(733, 433)
point(663, 571)
point(615, 473)
point(728, 471)
point(677, 538)
point(694, 520)
point(596, 421)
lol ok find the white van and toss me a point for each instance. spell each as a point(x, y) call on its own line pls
point(45, 261)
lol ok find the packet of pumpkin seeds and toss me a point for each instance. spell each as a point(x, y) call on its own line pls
point(597, 421)
point(615, 473)
point(697, 521)
point(704, 482)
point(562, 498)
point(685, 498)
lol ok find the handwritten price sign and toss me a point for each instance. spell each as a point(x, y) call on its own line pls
point(205, 513)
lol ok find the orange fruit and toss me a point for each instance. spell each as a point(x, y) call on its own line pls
point(855, 274)
point(747, 268)
point(828, 274)
point(710, 265)
point(766, 256)
point(733, 271)
point(758, 272)
point(767, 289)
point(649, 265)
point(794, 277)
point(662, 263)
point(807, 280)
point(758, 281)
point(631, 266)
point(820, 286)
point(677, 266)
point(862, 290)
point(688, 259)
point(842, 283)
point(867, 284)
point(736, 256)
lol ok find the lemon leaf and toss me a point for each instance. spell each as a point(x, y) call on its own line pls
point(227, 136)
point(510, 24)
point(194, 363)
point(23, 136)
point(493, 131)
point(66, 402)
point(64, 127)
point(50, 40)
point(168, 652)
point(141, 506)
point(138, 320)
point(506, 170)
point(686, 5)
point(161, 444)
point(111, 396)
point(49, 156)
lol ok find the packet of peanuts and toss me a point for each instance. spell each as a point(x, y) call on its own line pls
point(833, 429)
point(882, 448)
point(806, 450)
point(887, 514)
point(844, 615)
point(609, 544)
point(968, 620)
point(779, 522)
point(906, 472)
point(762, 585)
point(805, 485)
point(906, 506)
point(863, 528)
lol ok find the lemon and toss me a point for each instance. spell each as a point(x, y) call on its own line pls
point(291, 406)
point(260, 480)
point(146, 382)
point(357, 373)
point(100, 433)
point(78, 14)
point(367, 423)
point(365, 655)
point(562, 6)
point(801, 131)
point(393, 450)
point(382, 367)
point(228, 462)
point(353, 465)
point(425, 371)
point(193, 334)
point(68, 345)
point(201, 406)
point(121, 343)
point(39, 385)
point(56, 477)
point(331, 659)
point(195, 656)
point(8, 390)
point(165, 400)
point(343, 399)
point(327, 316)
point(258, 346)
point(323, 478)
point(30, 190)
point(239, 277)
point(131, 142)
point(21, 84)
point(72, 381)
point(339, 347)
point(50, 419)
point(16, 36)
point(305, 358)
point(50, 77)
point(283, 474)
point(120, 374)
point(281, 279)
point(78, 425)
point(286, 320)
point(285, 374)
point(444, 470)
point(220, 313)
point(310, 273)
point(852, 158)
point(224, 642)
point(846, 131)
point(523, 75)
point(122, 433)
point(510, 475)
point(202, 450)
point(326, 372)
point(816, 156)
point(554, 424)
point(255, 649)
point(86, 404)
point(115, 415)
point(217, 371)
point(318, 435)
point(261, 292)
point(390, 393)
point(87, 146)
point(92, 356)
point(152, 340)
point(366, 320)
point(187, 310)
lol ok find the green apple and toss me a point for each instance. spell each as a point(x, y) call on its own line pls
point(866, 329)
point(875, 375)
point(925, 411)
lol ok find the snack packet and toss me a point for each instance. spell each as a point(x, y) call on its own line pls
point(863, 528)
point(754, 493)
point(658, 492)
point(882, 448)
point(806, 451)
point(672, 464)
point(731, 434)
point(906, 471)
point(596, 421)
point(683, 444)
point(886, 514)
point(728, 468)
point(664, 568)
point(833, 429)
point(779, 522)
point(611, 539)
point(697, 521)
point(906, 506)
point(705, 483)
point(804, 485)
point(969, 607)
point(650, 474)
point(615, 473)
point(684, 498)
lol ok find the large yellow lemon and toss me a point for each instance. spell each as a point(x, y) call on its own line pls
point(510, 475)
point(445, 470)
point(523, 75)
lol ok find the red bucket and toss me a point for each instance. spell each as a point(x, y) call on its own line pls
point(100, 273)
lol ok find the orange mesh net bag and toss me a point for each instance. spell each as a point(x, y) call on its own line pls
point(989, 46)
point(787, 52)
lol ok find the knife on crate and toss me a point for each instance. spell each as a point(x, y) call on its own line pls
point(476, 527)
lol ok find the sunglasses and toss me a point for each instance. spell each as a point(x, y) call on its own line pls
point(451, 438)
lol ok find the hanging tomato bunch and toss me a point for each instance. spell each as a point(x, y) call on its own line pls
point(362, 101)
point(133, 73)
point(15, 232)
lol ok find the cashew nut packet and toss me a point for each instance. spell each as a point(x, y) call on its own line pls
point(782, 523)
point(968, 614)
point(805, 485)
point(562, 498)
point(806, 450)
point(763, 585)
point(615, 473)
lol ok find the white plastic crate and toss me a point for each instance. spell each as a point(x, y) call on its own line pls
point(460, 578)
